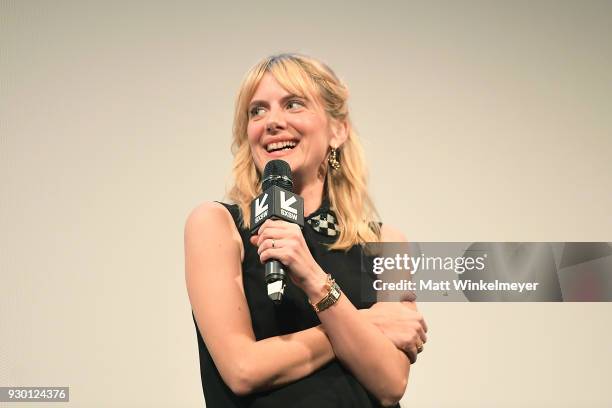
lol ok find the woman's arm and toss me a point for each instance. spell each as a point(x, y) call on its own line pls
point(376, 362)
point(382, 365)
point(213, 257)
point(368, 354)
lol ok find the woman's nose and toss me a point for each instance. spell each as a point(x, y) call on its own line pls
point(275, 122)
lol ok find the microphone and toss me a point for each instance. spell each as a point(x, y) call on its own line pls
point(277, 201)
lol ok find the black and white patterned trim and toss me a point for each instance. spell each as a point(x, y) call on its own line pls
point(324, 223)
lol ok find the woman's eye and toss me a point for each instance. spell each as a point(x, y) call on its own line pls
point(295, 104)
point(256, 111)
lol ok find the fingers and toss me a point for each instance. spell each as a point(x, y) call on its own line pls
point(421, 328)
point(271, 244)
point(279, 224)
point(280, 240)
point(275, 229)
point(419, 338)
point(423, 323)
point(414, 349)
point(269, 234)
point(411, 353)
point(276, 254)
point(280, 249)
point(419, 348)
point(422, 335)
point(410, 305)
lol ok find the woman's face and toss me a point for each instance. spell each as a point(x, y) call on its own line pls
point(288, 127)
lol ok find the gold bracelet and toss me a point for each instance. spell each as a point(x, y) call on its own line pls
point(333, 294)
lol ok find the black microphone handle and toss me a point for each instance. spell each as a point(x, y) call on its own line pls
point(275, 272)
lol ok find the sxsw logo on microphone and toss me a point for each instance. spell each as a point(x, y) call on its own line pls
point(277, 203)
point(261, 210)
point(286, 206)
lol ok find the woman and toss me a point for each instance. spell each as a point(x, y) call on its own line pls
point(342, 352)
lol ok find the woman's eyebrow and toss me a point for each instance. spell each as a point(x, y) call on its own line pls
point(283, 99)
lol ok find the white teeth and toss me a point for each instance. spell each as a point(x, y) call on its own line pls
point(280, 145)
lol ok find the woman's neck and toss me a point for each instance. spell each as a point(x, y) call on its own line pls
point(312, 193)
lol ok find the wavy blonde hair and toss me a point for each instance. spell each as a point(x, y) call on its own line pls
point(346, 188)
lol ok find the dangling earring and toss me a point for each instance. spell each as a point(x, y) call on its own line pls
point(333, 159)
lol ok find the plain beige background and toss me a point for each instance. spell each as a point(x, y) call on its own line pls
point(482, 121)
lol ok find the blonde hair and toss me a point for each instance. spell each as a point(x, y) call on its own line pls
point(346, 188)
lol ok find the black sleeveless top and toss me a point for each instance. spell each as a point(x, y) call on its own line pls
point(330, 386)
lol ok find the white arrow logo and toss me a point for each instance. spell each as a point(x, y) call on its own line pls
point(259, 207)
point(286, 204)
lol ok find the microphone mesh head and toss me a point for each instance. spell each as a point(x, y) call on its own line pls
point(277, 172)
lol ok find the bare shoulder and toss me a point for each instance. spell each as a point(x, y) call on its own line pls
point(389, 233)
point(208, 212)
point(212, 219)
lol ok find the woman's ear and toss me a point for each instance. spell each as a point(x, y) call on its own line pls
point(340, 131)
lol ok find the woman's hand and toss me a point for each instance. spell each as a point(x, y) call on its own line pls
point(401, 323)
point(284, 241)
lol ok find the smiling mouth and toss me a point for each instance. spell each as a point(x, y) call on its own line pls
point(280, 146)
